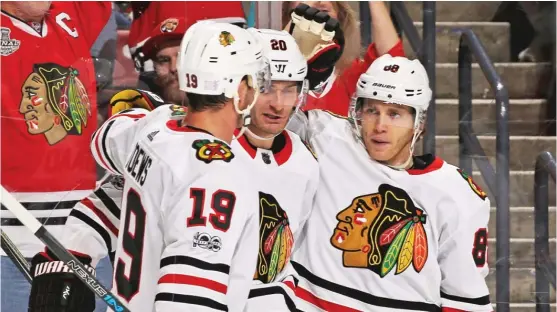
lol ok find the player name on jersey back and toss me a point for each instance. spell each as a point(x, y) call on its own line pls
point(188, 232)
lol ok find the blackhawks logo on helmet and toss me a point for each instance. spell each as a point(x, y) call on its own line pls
point(208, 151)
point(475, 187)
point(226, 38)
point(381, 231)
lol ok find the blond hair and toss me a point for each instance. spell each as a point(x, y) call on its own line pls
point(349, 24)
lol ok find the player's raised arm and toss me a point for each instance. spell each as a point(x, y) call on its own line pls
point(463, 249)
point(111, 143)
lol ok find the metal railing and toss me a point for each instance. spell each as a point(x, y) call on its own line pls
point(545, 267)
point(497, 181)
point(425, 51)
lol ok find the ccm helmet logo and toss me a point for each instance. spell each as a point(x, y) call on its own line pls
point(380, 85)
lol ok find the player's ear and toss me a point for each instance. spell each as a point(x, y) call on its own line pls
point(245, 94)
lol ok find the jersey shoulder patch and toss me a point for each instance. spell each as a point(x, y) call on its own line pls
point(212, 150)
point(178, 111)
point(473, 185)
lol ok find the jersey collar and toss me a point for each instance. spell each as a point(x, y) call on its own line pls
point(16, 22)
point(281, 148)
point(425, 164)
point(177, 125)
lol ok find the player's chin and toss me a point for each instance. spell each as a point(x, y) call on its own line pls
point(379, 154)
point(271, 129)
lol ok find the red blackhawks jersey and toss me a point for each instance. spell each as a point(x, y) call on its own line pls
point(380, 239)
point(191, 11)
point(48, 113)
point(286, 176)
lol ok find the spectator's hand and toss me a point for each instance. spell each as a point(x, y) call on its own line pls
point(320, 39)
point(134, 98)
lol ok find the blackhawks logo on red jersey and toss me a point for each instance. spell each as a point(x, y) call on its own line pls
point(208, 151)
point(54, 102)
point(275, 239)
point(475, 187)
point(381, 231)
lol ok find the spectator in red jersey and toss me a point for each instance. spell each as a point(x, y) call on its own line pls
point(162, 48)
point(338, 88)
point(48, 115)
point(191, 11)
point(90, 224)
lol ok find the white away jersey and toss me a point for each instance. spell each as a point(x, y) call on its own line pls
point(287, 176)
point(379, 239)
point(188, 231)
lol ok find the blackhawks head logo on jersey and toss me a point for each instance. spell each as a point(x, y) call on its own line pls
point(275, 239)
point(54, 102)
point(382, 231)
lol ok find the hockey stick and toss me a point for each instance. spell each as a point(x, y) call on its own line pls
point(17, 258)
point(54, 245)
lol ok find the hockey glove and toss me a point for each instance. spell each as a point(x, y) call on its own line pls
point(320, 39)
point(55, 289)
point(134, 98)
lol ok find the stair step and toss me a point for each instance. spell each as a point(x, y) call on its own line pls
point(522, 286)
point(522, 80)
point(526, 307)
point(522, 222)
point(523, 149)
point(522, 252)
point(521, 188)
point(526, 116)
point(495, 38)
point(456, 11)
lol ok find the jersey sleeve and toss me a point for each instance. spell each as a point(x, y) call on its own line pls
point(208, 265)
point(463, 255)
point(309, 197)
point(299, 124)
point(92, 226)
point(92, 27)
point(113, 142)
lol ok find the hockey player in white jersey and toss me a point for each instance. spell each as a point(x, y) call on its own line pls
point(389, 231)
point(188, 231)
point(285, 167)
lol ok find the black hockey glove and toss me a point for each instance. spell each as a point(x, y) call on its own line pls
point(320, 39)
point(55, 289)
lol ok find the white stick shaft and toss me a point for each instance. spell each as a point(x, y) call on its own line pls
point(19, 211)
